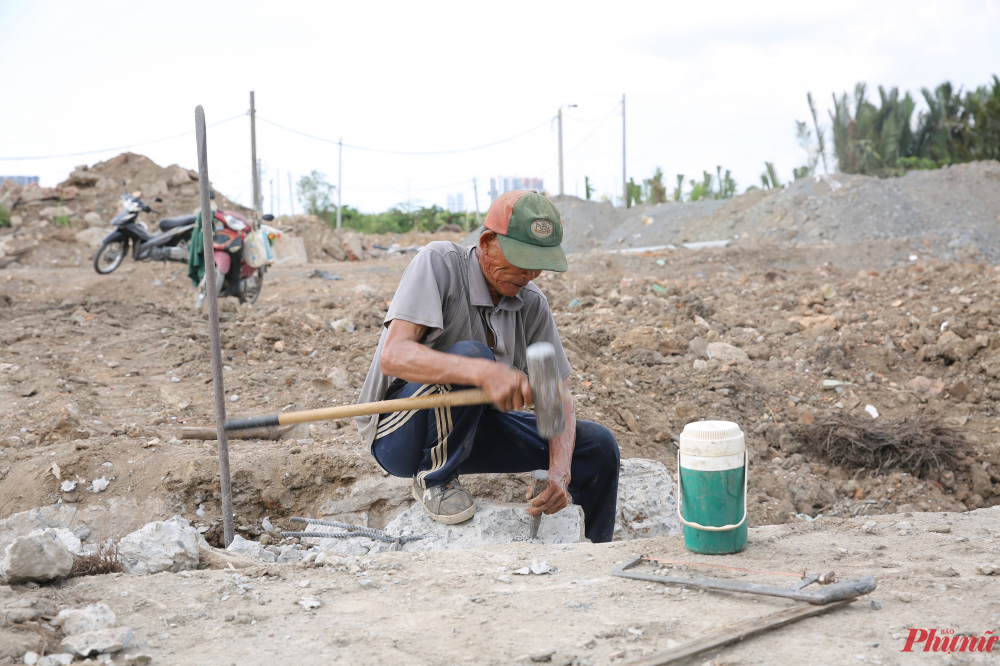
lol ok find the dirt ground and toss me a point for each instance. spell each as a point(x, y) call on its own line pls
point(99, 374)
point(459, 608)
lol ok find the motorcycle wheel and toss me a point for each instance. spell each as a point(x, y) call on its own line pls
point(110, 256)
point(252, 295)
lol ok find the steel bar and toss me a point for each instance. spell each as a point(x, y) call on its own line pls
point(846, 589)
point(733, 634)
point(208, 232)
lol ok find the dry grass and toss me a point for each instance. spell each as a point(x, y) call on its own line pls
point(915, 446)
point(106, 560)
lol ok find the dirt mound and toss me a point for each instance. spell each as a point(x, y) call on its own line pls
point(948, 212)
point(98, 188)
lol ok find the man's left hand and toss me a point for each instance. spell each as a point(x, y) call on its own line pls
point(555, 496)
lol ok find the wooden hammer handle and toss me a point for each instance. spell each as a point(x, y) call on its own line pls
point(453, 399)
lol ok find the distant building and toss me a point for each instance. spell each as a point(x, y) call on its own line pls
point(456, 203)
point(20, 180)
point(500, 185)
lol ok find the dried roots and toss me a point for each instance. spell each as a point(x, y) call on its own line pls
point(915, 446)
point(106, 560)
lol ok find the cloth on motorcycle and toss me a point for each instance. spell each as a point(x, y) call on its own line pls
point(196, 257)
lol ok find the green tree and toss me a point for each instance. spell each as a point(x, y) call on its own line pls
point(678, 194)
point(654, 190)
point(633, 193)
point(702, 190)
point(588, 188)
point(769, 179)
point(984, 105)
point(315, 194)
point(727, 186)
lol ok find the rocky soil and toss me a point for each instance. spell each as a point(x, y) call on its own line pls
point(100, 374)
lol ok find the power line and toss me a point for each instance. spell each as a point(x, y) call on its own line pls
point(108, 150)
point(405, 152)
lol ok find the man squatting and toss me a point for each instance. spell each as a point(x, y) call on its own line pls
point(463, 317)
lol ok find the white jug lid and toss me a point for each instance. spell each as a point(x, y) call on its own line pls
point(712, 439)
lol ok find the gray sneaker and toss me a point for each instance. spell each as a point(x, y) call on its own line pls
point(449, 503)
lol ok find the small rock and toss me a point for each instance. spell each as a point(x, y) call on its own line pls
point(68, 486)
point(249, 548)
point(940, 529)
point(949, 571)
point(165, 545)
point(367, 584)
point(871, 411)
point(699, 347)
point(304, 583)
point(988, 569)
point(543, 657)
point(60, 659)
point(310, 604)
point(38, 556)
point(959, 389)
point(138, 660)
point(81, 532)
point(266, 524)
point(505, 579)
point(96, 642)
point(871, 527)
point(723, 352)
point(876, 605)
point(30, 658)
point(95, 617)
point(99, 484)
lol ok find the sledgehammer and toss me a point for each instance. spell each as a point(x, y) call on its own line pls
point(543, 376)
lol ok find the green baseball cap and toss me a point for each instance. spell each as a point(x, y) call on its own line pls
point(529, 230)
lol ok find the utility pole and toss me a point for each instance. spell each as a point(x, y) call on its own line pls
point(624, 181)
point(271, 200)
point(260, 193)
point(253, 157)
point(277, 177)
point(475, 195)
point(340, 170)
point(291, 196)
point(571, 106)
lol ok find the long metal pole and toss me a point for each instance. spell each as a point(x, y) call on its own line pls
point(208, 231)
point(624, 181)
point(277, 177)
point(340, 169)
point(253, 156)
point(560, 153)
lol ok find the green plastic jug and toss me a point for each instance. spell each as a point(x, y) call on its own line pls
point(712, 467)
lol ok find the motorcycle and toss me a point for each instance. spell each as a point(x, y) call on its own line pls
point(233, 276)
point(171, 244)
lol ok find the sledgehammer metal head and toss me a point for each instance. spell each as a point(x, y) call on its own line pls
point(547, 389)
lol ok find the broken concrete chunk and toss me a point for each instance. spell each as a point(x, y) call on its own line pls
point(36, 557)
point(249, 548)
point(492, 524)
point(646, 500)
point(165, 545)
point(96, 642)
point(95, 617)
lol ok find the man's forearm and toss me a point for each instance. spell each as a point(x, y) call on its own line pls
point(414, 362)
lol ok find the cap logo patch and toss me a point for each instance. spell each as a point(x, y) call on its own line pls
point(541, 228)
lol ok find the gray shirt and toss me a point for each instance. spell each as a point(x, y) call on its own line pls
point(428, 295)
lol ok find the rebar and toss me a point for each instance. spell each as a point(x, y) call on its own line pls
point(208, 232)
point(351, 531)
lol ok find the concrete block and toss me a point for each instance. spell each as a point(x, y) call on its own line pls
point(493, 524)
point(646, 500)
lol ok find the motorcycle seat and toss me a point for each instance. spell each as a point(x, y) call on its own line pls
point(168, 223)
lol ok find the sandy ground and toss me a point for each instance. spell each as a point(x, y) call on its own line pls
point(453, 607)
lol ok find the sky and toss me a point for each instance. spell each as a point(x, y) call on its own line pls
point(705, 86)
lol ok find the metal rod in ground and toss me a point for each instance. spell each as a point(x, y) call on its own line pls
point(208, 232)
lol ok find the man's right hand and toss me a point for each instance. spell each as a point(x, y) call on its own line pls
point(507, 388)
